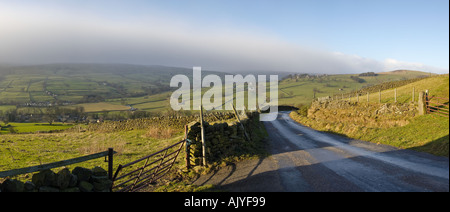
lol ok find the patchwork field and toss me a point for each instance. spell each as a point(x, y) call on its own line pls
point(112, 88)
point(101, 107)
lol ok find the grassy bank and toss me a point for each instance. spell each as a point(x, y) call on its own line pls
point(428, 133)
point(395, 124)
point(301, 91)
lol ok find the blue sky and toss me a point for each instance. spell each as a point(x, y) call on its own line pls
point(349, 35)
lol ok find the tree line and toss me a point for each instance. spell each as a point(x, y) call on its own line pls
point(48, 114)
point(77, 115)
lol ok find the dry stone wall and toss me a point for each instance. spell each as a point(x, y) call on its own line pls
point(354, 109)
point(175, 122)
point(352, 117)
point(79, 180)
point(224, 139)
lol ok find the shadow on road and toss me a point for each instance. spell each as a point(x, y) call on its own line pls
point(304, 160)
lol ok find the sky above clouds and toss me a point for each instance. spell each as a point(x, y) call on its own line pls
point(314, 36)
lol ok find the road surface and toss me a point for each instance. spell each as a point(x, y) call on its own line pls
point(307, 160)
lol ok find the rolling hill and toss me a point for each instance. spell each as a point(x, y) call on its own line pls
point(408, 72)
point(301, 89)
point(83, 83)
point(121, 87)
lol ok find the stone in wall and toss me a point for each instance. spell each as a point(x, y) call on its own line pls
point(221, 139)
point(79, 180)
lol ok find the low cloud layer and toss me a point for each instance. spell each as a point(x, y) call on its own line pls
point(38, 36)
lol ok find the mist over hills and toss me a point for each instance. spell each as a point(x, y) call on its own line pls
point(77, 69)
point(120, 68)
point(148, 73)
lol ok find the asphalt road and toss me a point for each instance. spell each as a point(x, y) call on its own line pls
point(307, 160)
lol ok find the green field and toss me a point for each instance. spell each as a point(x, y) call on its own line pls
point(23, 150)
point(436, 86)
point(32, 127)
point(100, 107)
point(301, 91)
point(153, 103)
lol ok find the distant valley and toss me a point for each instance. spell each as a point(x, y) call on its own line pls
point(114, 91)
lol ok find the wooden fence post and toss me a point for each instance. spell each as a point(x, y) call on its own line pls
point(413, 93)
point(395, 95)
point(421, 103)
point(379, 97)
point(188, 148)
point(239, 120)
point(203, 135)
point(110, 162)
point(367, 96)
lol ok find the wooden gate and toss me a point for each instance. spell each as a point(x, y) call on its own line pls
point(438, 105)
point(149, 169)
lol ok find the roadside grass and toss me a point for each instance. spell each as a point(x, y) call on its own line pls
point(185, 187)
point(427, 133)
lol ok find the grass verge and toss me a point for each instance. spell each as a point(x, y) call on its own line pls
point(427, 133)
